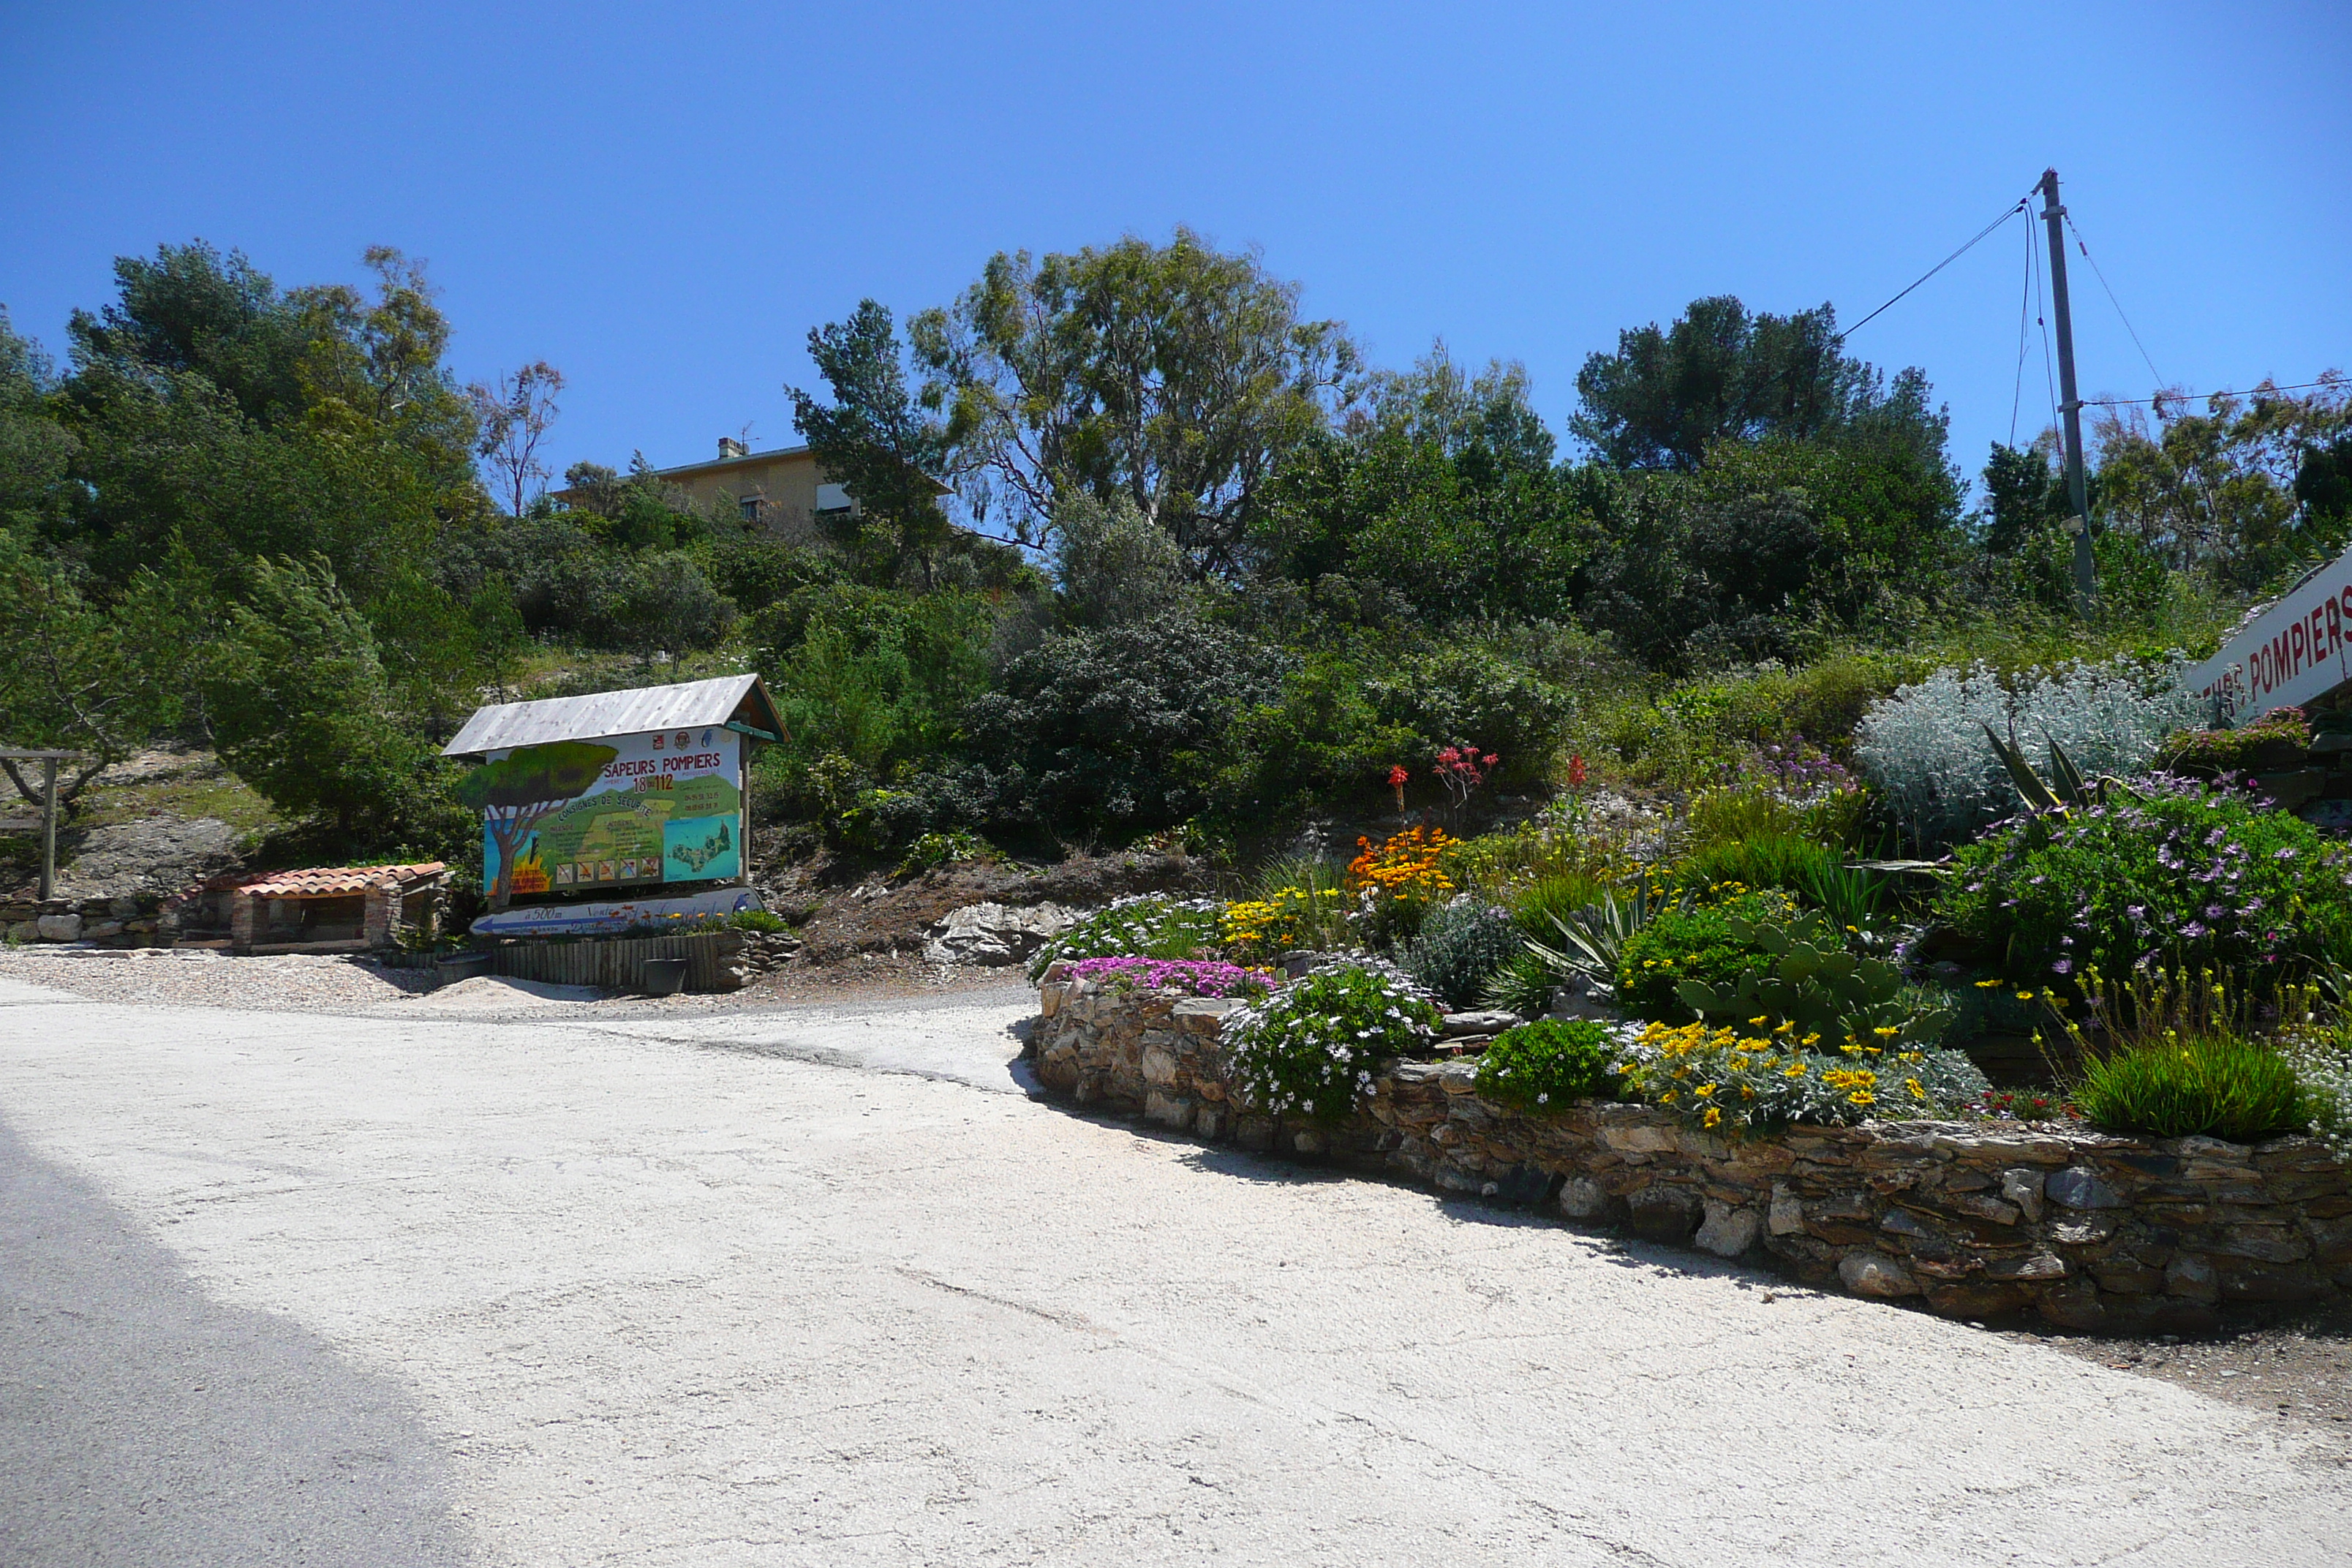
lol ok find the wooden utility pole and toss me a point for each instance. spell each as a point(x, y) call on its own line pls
point(2070, 406)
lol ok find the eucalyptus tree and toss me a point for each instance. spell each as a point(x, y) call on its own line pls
point(1176, 375)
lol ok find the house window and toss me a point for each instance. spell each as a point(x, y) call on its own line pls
point(751, 505)
point(832, 497)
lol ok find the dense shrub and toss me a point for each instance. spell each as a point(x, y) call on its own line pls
point(2173, 874)
point(1461, 946)
point(1463, 690)
point(1549, 1063)
point(1115, 729)
point(1312, 1050)
point(1926, 746)
point(878, 678)
point(1694, 944)
point(1149, 925)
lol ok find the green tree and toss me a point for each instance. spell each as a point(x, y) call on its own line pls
point(37, 449)
point(1440, 493)
point(1178, 375)
point(2215, 489)
point(2025, 493)
point(877, 443)
point(79, 677)
point(213, 410)
point(1720, 373)
point(301, 710)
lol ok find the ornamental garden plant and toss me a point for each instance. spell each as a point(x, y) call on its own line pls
point(1744, 960)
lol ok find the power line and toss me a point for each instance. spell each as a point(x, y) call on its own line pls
point(2007, 214)
point(2262, 390)
point(2042, 320)
point(2118, 304)
point(2024, 295)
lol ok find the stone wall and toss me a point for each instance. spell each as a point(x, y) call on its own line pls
point(130, 922)
point(1971, 1220)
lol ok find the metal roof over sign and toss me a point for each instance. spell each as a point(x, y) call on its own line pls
point(738, 700)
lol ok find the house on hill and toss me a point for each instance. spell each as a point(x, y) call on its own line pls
point(782, 492)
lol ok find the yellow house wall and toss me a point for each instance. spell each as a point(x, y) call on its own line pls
point(783, 482)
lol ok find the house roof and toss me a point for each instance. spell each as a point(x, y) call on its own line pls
point(688, 705)
point(335, 882)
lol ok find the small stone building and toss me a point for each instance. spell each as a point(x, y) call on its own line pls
point(334, 908)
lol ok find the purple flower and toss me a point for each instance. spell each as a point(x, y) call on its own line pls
point(2063, 966)
point(2286, 854)
point(2214, 912)
point(2193, 930)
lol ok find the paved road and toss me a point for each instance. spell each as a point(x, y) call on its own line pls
point(403, 1289)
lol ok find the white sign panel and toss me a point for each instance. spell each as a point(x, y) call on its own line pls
point(2299, 648)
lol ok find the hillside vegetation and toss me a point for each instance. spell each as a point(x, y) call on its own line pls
point(1205, 572)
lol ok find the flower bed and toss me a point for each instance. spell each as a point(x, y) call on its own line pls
point(1193, 977)
point(1971, 1219)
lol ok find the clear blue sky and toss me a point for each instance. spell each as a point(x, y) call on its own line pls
point(663, 200)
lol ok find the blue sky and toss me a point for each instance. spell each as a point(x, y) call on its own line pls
point(662, 200)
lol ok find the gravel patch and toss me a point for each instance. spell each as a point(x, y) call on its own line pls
point(200, 977)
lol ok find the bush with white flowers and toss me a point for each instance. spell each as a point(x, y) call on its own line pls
point(1145, 925)
point(1926, 747)
point(1310, 1050)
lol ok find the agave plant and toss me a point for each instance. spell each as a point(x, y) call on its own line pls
point(2067, 788)
point(1592, 938)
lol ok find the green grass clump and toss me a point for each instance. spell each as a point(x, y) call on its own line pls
point(2216, 1086)
point(1545, 1064)
point(1535, 905)
point(1781, 860)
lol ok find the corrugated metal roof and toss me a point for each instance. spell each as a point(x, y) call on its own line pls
point(689, 704)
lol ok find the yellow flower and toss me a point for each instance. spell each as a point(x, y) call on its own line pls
point(1860, 1097)
point(1713, 1116)
point(1988, 985)
point(1759, 1017)
point(1794, 1069)
point(1706, 1091)
point(1667, 1098)
point(1916, 1091)
point(2025, 996)
point(1885, 1029)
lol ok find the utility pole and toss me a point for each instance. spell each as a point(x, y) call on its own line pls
point(2070, 406)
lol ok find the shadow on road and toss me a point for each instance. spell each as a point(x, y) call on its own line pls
point(143, 1422)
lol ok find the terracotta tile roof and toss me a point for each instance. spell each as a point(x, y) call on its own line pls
point(334, 881)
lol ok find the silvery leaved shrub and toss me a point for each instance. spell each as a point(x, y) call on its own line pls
point(1924, 746)
point(1462, 944)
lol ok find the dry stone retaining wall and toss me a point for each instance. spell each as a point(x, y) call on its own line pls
point(131, 920)
point(1970, 1220)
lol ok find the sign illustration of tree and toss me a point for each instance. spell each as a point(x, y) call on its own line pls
point(512, 795)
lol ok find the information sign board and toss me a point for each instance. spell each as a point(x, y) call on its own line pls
point(627, 811)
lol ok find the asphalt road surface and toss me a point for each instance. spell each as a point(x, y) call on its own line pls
point(823, 1286)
